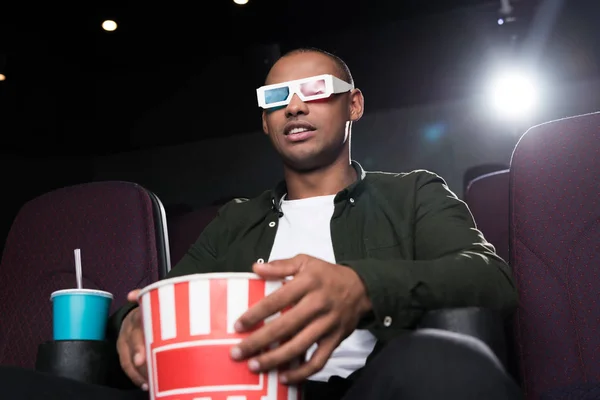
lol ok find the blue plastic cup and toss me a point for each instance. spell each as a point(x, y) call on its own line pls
point(80, 314)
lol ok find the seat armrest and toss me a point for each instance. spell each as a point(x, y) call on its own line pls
point(87, 361)
point(81, 360)
point(484, 324)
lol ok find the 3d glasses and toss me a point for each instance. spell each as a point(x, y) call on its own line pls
point(307, 89)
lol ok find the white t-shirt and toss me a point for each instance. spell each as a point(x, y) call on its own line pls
point(305, 229)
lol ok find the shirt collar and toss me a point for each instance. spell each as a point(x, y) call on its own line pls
point(351, 191)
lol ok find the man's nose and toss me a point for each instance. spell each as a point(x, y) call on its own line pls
point(296, 107)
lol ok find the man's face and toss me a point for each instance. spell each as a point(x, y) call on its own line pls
point(324, 119)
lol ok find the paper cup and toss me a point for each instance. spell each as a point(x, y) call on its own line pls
point(188, 327)
point(80, 314)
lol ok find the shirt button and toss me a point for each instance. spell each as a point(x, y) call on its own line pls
point(351, 200)
point(387, 321)
point(260, 261)
point(271, 224)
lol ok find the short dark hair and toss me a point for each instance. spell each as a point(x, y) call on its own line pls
point(344, 71)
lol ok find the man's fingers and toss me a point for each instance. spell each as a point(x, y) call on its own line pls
point(126, 360)
point(133, 296)
point(134, 374)
point(294, 348)
point(142, 366)
point(131, 348)
point(316, 363)
point(139, 357)
point(285, 296)
point(279, 329)
point(279, 269)
point(137, 342)
point(136, 319)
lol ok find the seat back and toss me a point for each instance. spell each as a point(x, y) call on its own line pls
point(487, 198)
point(555, 254)
point(121, 230)
point(185, 228)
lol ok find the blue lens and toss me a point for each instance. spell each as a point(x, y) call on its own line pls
point(276, 95)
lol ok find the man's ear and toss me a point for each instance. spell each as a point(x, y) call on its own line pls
point(357, 105)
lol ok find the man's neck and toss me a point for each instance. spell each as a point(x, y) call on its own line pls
point(322, 182)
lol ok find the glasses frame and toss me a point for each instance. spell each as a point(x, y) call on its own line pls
point(333, 85)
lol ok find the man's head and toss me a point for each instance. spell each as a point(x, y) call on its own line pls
point(313, 134)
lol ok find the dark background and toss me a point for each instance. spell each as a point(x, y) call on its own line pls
point(168, 99)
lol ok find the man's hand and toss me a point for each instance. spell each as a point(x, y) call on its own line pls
point(328, 301)
point(131, 345)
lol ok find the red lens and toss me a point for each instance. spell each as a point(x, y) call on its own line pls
point(313, 88)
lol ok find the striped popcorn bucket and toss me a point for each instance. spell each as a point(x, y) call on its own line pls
point(188, 327)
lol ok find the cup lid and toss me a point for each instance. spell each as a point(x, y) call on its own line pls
point(81, 291)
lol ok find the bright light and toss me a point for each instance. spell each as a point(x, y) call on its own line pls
point(514, 95)
point(109, 25)
point(240, 2)
point(2, 77)
point(500, 21)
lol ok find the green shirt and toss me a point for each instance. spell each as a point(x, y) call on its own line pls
point(413, 243)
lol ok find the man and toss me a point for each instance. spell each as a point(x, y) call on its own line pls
point(369, 254)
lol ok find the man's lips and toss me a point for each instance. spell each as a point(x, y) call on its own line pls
point(299, 135)
point(297, 127)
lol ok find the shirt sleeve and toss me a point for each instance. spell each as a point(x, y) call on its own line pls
point(454, 266)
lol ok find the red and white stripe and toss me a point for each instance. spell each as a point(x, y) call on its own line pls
point(189, 335)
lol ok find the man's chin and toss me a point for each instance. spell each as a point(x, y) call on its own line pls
point(307, 158)
point(303, 164)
